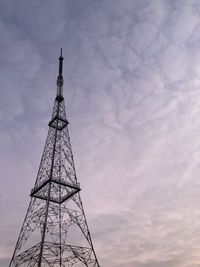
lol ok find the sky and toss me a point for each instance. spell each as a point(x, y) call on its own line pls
point(132, 92)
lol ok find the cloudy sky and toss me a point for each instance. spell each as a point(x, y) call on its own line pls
point(132, 91)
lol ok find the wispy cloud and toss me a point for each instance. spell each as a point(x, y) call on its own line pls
point(132, 93)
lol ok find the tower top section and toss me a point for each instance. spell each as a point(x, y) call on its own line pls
point(60, 81)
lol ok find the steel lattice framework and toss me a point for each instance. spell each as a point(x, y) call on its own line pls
point(55, 231)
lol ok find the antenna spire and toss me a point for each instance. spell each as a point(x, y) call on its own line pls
point(60, 80)
point(60, 63)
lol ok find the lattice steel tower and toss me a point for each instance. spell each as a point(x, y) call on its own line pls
point(55, 230)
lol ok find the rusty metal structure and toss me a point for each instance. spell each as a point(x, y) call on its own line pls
point(55, 232)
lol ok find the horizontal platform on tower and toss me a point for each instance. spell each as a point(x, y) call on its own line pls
point(59, 98)
point(60, 190)
point(58, 123)
point(51, 255)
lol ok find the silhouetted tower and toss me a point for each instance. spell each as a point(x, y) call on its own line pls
point(55, 230)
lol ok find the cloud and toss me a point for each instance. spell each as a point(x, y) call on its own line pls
point(132, 94)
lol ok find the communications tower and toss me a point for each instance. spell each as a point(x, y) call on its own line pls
point(55, 231)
